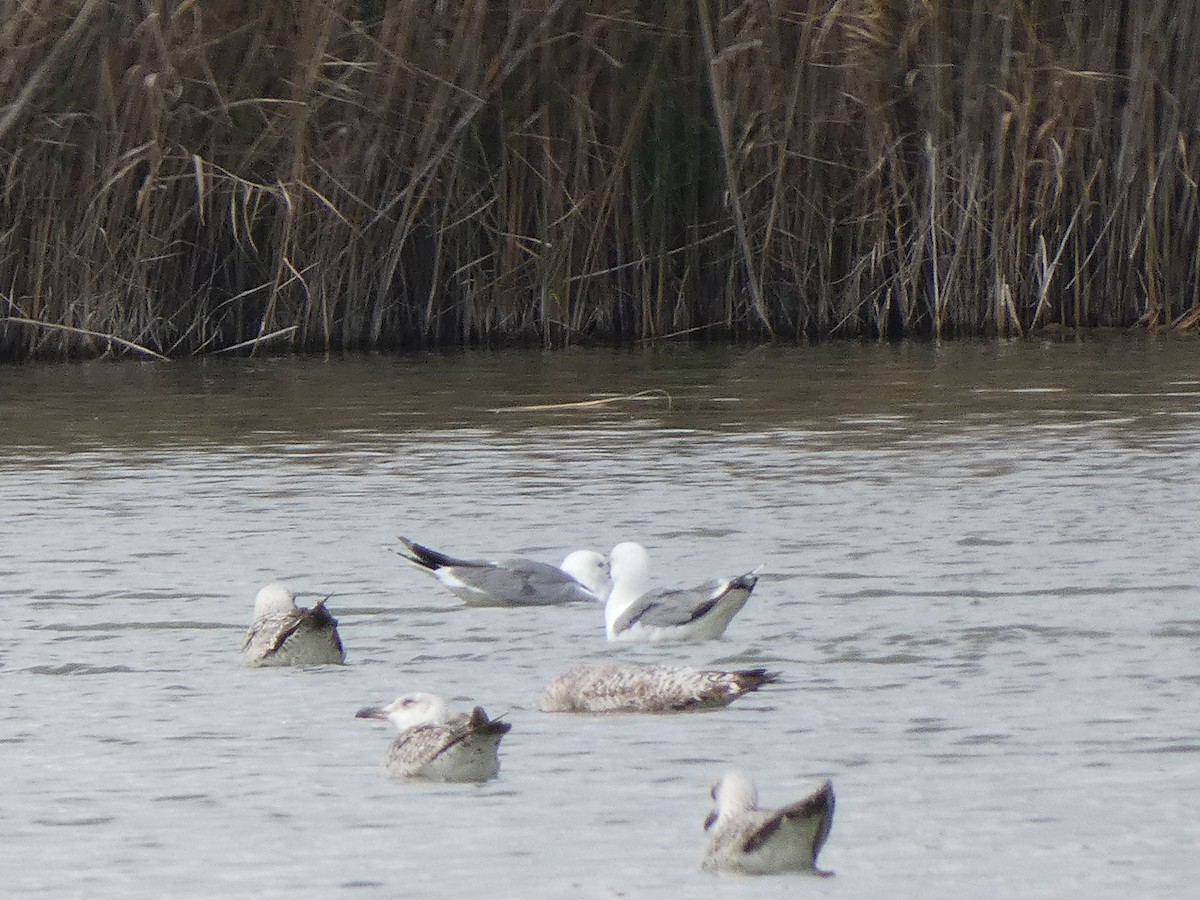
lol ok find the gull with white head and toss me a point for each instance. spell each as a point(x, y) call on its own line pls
point(755, 841)
point(435, 747)
point(284, 634)
point(583, 576)
point(634, 613)
point(609, 687)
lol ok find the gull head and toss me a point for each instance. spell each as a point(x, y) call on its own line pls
point(274, 599)
point(732, 795)
point(630, 566)
point(590, 569)
point(409, 711)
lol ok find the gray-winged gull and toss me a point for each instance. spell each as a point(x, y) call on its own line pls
point(284, 634)
point(609, 687)
point(694, 614)
point(435, 747)
point(756, 841)
point(583, 576)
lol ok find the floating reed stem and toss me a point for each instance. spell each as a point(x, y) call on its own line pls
point(649, 394)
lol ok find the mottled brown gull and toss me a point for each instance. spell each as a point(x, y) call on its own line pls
point(609, 687)
point(583, 576)
point(634, 613)
point(284, 634)
point(434, 747)
point(755, 841)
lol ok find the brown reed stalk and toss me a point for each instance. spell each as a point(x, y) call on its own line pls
point(185, 177)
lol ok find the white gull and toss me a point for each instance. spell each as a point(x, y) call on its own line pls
point(756, 841)
point(433, 746)
point(284, 634)
point(609, 687)
point(583, 576)
point(702, 613)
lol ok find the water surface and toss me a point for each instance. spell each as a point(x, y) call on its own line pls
point(979, 586)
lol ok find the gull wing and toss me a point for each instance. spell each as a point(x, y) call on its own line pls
point(541, 584)
point(518, 582)
point(666, 609)
point(612, 688)
point(419, 746)
point(809, 820)
point(514, 582)
point(316, 619)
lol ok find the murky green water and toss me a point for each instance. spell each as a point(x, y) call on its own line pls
point(979, 585)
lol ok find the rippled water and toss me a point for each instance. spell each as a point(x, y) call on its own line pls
point(979, 585)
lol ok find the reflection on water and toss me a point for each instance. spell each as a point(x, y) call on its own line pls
point(978, 585)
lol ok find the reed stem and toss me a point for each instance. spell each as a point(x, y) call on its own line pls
point(184, 177)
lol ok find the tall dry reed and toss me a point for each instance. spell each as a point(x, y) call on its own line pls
point(187, 177)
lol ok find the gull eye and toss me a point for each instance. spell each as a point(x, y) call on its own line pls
point(407, 702)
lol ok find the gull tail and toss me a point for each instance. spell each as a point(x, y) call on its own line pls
point(744, 582)
point(480, 723)
point(425, 557)
point(320, 614)
point(747, 680)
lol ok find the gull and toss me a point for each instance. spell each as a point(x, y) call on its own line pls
point(284, 634)
point(435, 747)
point(694, 614)
point(756, 841)
point(583, 575)
point(649, 689)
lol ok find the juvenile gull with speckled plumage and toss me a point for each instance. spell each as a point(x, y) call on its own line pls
point(609, 687)
point(435, 747)
point(284, 634)
point(755, 841)
point(582, 577)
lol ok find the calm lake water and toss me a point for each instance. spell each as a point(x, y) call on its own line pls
point(980, 587)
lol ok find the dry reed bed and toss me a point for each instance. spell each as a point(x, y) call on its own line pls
point(190, 176)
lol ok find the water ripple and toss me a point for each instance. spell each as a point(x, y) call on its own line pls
point(78, 669)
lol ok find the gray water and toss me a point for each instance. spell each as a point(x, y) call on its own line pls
point(979, 587)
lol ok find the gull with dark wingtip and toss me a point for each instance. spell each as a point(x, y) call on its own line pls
point(435, 747)
point(284, 634)
point(756, 841)
point(582, 577)
point(634, 613)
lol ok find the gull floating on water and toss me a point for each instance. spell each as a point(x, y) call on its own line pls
point(756, 841)
point(695, 614)
point(284, 634)
point(435, 747)
point(649, 689)
point(583, 576)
